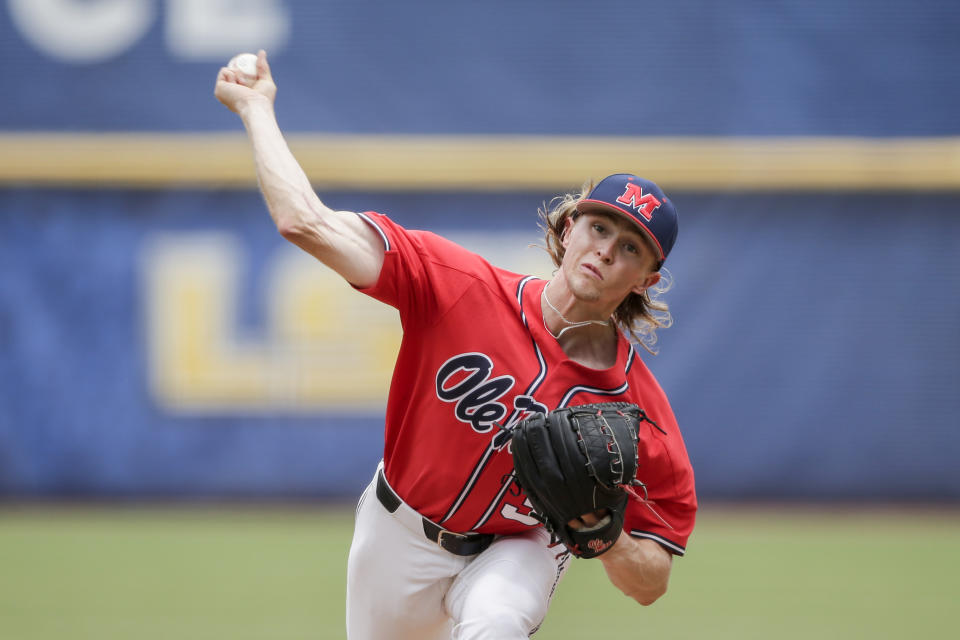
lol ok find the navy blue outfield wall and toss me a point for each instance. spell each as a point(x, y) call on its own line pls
point(171, 344)
point(607, 67)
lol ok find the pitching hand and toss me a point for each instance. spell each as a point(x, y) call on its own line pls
point(231, 90)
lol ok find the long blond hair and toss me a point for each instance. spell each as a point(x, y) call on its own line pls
point(640, 314)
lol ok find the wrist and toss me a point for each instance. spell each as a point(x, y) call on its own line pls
point(255, 107)
point(620, 548)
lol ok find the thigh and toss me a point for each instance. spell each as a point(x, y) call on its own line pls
point(506, 590)
point(396, 579)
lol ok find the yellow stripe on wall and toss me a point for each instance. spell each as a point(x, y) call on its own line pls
point(438, 163)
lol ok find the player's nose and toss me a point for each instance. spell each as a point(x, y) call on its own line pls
point(605, 250)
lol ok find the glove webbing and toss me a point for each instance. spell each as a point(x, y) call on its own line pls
point(612, 445)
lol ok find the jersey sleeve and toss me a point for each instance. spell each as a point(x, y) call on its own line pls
point(668, 514)
point(423, 274)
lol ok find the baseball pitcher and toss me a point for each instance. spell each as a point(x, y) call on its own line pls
point(522, 428)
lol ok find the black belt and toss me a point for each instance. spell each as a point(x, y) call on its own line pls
point(459, 544)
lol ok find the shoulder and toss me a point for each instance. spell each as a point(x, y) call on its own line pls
point(641, 379)
point(422, 243)
point(427, 259)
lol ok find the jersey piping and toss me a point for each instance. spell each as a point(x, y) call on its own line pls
point(673, 546)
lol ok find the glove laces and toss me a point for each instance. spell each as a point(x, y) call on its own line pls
point(628, 487)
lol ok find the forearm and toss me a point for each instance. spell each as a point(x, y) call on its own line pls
point(639, 568)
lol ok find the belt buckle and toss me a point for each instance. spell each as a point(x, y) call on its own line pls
point(454, 536)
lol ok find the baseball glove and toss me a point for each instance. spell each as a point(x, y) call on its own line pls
point(575, 461)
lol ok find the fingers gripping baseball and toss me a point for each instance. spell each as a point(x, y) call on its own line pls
point(238, 85)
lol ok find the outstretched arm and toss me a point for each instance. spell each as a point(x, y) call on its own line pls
point(339, 239)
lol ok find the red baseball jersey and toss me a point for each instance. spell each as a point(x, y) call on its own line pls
point(476, 358)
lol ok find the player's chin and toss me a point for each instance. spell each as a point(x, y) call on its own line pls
point(585, 289)
point(602, 291)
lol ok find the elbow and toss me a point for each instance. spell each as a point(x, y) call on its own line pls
point(296, 221)
point(291, 229)
point(299, 232)
point(305, 228)
point(649, 596)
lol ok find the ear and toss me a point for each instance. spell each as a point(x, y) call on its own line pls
point(650, 280)
point(565, 235)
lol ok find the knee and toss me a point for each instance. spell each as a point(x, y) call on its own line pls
point(493, 623)
point(499, 610)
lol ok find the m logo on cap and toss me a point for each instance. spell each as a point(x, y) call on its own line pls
point(644, 203)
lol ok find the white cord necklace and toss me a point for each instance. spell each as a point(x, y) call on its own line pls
point(573, 325)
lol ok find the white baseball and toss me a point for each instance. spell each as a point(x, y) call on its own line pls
point(245, 64)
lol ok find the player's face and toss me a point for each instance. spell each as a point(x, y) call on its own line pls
point(607, 258)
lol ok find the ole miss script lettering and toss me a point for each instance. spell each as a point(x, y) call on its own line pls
point(475, 359)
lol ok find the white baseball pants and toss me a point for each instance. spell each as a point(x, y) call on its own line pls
point(401, 586)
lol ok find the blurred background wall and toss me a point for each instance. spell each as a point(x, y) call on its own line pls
point(158, 338)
